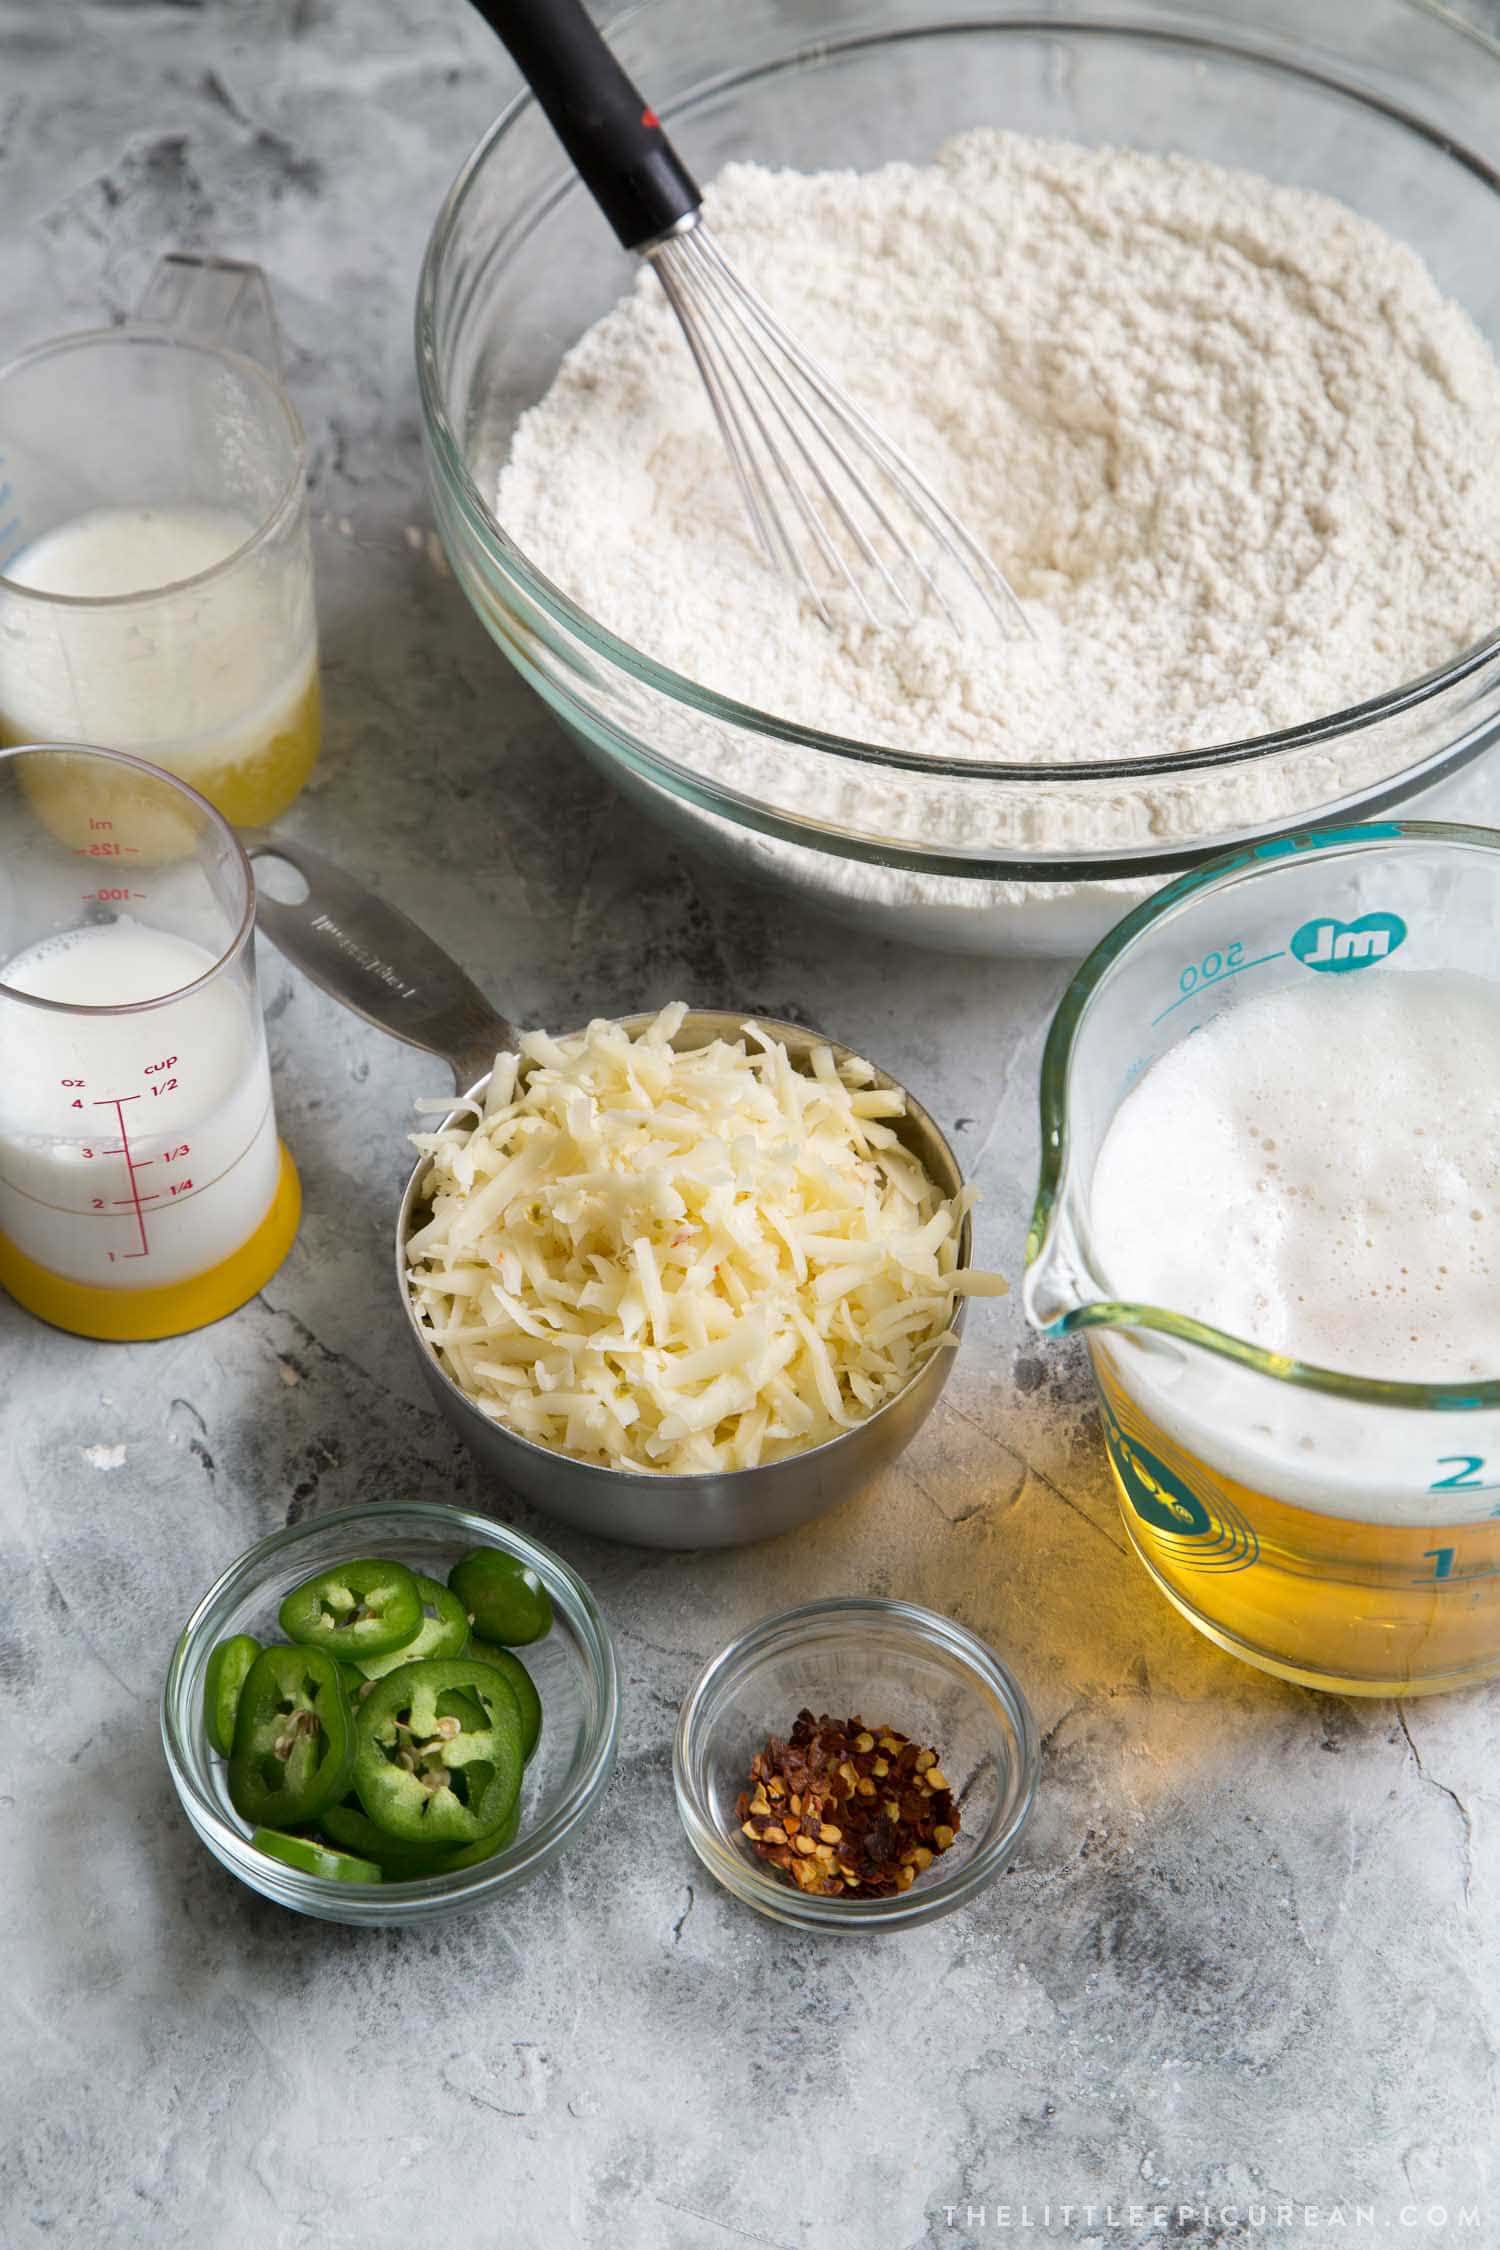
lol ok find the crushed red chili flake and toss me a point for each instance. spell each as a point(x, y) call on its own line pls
point(839, 1806)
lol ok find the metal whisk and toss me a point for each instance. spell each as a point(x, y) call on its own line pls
point(834, 505)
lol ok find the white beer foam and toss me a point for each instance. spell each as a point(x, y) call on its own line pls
point(1317, 1171)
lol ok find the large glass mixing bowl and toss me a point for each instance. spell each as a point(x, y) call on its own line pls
point(1388, 104)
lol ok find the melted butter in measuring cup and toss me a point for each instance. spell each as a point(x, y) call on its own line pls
point(136, 1151)
point(216, 681)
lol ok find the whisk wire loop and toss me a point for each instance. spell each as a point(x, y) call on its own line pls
point(796, 409)
point(700, 342)
point(725, 363)
point(776, 409)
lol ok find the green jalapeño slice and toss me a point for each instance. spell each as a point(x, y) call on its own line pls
point(353, 1831)
point(443, 1631)
point(523, 1688)
point(228, 1669)
point(358, 1609)
point(313, 1858)
point(440, 1753)
point(293, 1738)
point(505, 1598)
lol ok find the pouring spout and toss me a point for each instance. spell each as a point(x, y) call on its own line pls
point(222, 299)
point(1058, 1283)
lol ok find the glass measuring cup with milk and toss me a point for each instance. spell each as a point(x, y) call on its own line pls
point(156, 584)
point(1270, 1201)
point(143, 1190)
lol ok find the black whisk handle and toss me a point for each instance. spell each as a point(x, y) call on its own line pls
point(609, 130)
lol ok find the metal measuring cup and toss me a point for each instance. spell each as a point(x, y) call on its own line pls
point(366, 954)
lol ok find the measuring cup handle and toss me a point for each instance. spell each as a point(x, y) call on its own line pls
point(225, 300)
point(368, 955)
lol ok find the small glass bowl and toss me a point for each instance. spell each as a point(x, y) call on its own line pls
point(574, 1669)
point(892, 1664)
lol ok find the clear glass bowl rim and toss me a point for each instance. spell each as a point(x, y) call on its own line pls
point(924, 1902)
point(676, 686)
point(532, 1849)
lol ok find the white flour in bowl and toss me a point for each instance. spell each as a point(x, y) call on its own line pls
point(1235, 450)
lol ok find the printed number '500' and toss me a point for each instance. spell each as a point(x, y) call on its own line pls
point(1212, 966)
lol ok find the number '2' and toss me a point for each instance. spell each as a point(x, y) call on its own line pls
point(1468, 1469)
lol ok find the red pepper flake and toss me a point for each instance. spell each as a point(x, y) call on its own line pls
point(839, 1806)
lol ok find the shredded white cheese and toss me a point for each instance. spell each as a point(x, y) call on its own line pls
point(683, 1262)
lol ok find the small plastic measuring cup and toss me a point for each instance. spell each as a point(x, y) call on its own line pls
point(156, 587)
point(143, 1190)
point(1340, 1530)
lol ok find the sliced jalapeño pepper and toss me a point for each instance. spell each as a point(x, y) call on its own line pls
point(505, 1599)
point(223, 1678)
point(314, 1858)
point(439, 1753)
point(354, 1831)
point(293, 1738)
point(443, 1631)
point(484, 1847)
point(358, 1609)
point(523, 1686)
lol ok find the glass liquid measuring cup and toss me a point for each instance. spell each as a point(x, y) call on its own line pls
point(156, 587)
point(143, 1191)
point(1341, 1531)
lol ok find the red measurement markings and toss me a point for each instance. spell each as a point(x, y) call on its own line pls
point(104, 895)
point(135, 1200)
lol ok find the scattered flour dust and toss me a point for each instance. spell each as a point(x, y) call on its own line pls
point(1228, 440)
